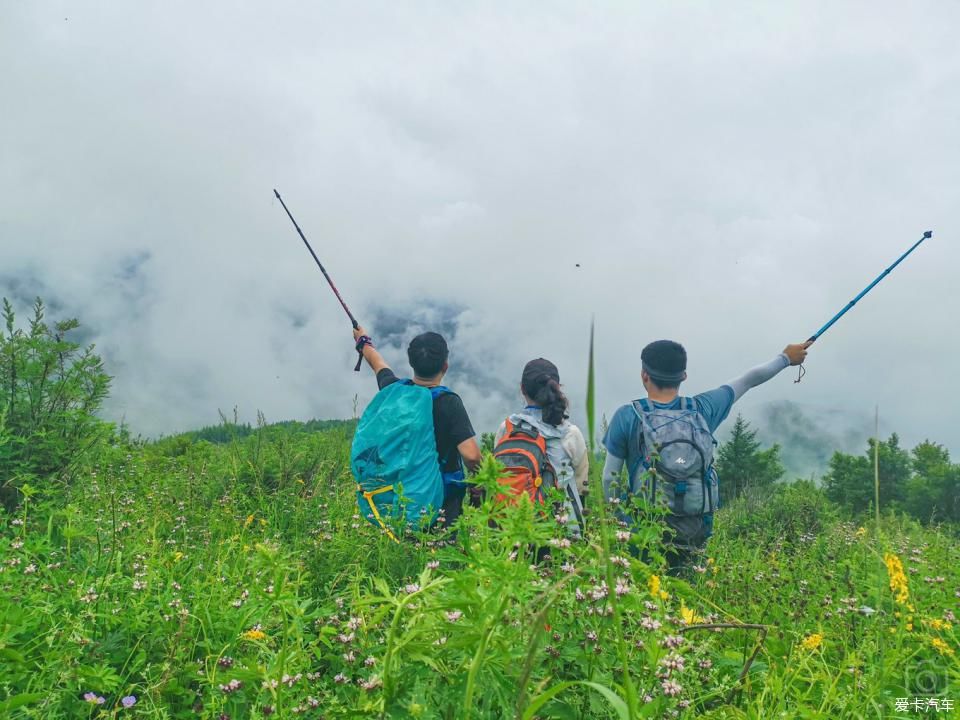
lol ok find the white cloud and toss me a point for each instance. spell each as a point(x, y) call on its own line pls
point(725, 175)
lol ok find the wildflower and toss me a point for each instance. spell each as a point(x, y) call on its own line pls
point(622, 587)
point(94, 699)
point(16, 522)
point(433, 565)
point(248, 521)
point(898, 580)
point(941, 647)
point(861, 531)
point(254, 634)
point(369, 661)
point(226, 662)
point(620, 560)
point(371, 684)
point(128, 701)
point(672, 641)
point(670, 688)
point(454, 615)
point(654, 584)
point(560, 542)
point(689, 616)
point(411, 588)
point(30, 569)
point(568, 568)
point(267, 710)
point(623, 535)
point(231, 687)
point(812, 642)
point(672, 662)
point(341, 679)
point(648, 623)
point(599, 592)
point(349, 657)
point(290, 680)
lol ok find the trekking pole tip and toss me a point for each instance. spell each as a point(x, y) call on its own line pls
point(928, 234)
point(276, 193)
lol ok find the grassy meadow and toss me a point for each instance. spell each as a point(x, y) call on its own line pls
point(193, 579)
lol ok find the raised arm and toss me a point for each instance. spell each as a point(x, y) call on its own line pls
point(791, 355)
point(374, 359)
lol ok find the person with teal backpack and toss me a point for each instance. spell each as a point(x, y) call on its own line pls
point(413, 441)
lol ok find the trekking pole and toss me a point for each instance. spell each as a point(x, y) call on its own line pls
point(325, 274)
point(813, 338)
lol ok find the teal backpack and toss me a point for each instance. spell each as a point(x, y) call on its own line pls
point(394, 458)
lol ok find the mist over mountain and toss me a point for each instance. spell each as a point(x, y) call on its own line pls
point(808, 434)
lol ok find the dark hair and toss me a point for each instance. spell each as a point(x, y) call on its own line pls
point(665, 362)
point(541, 383)
point(427, 353)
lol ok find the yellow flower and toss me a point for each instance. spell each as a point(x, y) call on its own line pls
point(177, 555)
point(249, 520)
point(654, 584)
point(263, 522)
point(254, 635)
point(689, 616)
point(937, 624)
point(861, 531)
point(941, 646)
point(812, 642)
point(898, 579)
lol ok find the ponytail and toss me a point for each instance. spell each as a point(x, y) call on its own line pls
point(553, 403)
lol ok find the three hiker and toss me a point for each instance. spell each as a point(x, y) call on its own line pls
point(416, 437)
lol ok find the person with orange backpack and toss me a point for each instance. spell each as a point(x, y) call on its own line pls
point(541, 448)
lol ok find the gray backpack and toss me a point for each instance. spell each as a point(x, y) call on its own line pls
point(677, 446)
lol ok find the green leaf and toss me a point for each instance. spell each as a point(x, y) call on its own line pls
point(611, 697)
point(12, 655)
point(20, 700)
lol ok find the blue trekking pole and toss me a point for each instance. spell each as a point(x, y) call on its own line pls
point(868, 288)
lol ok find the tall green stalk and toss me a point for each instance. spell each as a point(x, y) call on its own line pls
point(628, 686)
point(591, 412)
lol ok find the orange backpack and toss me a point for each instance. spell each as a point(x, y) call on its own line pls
point(523, 452)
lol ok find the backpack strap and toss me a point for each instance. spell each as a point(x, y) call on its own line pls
point(458, 476)
point(440, 390)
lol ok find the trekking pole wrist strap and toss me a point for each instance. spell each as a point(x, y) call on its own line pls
point(363, 341)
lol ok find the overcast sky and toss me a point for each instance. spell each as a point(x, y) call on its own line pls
point(726, 174)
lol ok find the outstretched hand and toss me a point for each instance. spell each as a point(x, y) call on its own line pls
point(797, 353)
point(358, 332)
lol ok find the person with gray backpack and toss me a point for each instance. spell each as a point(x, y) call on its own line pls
point(667, 443)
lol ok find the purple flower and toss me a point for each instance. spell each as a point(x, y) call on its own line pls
point(94, 699)
point(128, 701)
